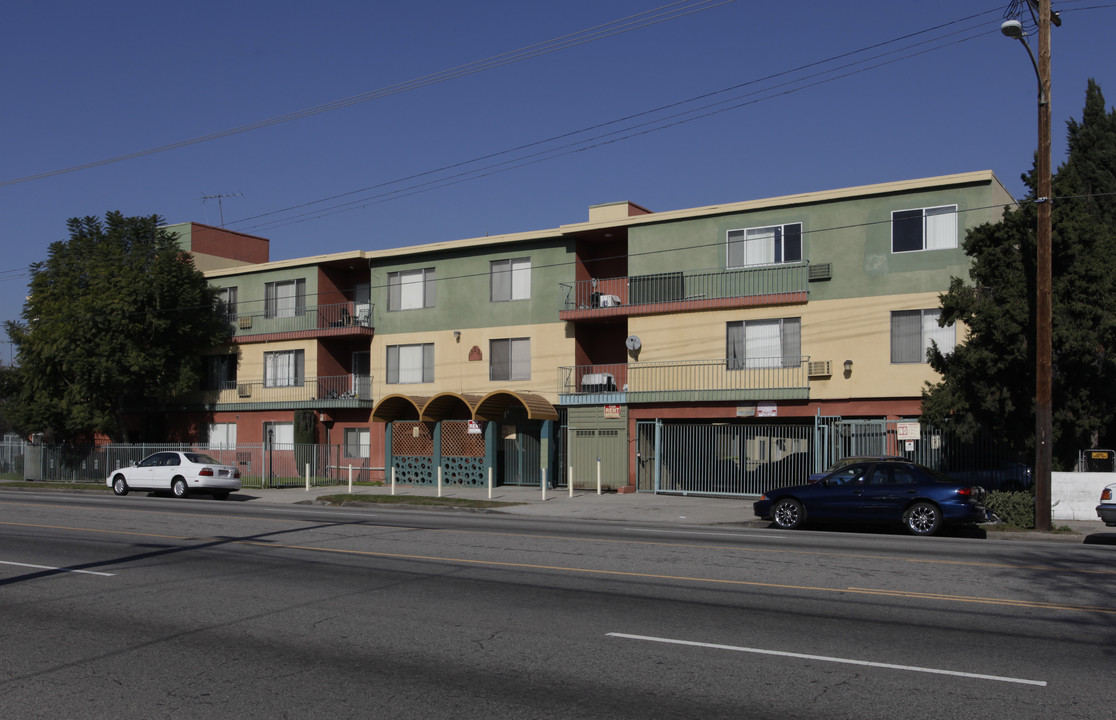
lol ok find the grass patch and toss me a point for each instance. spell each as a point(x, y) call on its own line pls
point(347, 499)
point(25, 485)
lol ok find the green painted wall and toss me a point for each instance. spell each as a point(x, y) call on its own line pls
point(462, 298)
point(853, 235)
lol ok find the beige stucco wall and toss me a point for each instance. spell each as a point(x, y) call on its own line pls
point(857, 329)
point(454, 372)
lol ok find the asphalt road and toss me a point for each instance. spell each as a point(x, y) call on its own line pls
point(147, 607)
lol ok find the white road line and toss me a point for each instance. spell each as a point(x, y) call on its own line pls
point(757, 651)
point(736, 533)
point(60, 569)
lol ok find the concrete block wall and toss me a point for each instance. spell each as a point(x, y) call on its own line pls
point(1075, 495)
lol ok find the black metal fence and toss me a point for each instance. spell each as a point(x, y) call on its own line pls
point(261, 465)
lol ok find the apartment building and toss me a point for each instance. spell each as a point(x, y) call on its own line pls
point(710, 349)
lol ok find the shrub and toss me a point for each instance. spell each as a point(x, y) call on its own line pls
point(1012, 508)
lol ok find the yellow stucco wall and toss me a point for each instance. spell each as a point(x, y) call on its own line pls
point(454, 372)
point(857, 329)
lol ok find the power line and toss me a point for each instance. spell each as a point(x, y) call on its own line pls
point(654, 125)
point(638, 21)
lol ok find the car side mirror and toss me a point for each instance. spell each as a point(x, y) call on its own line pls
point(135, 463)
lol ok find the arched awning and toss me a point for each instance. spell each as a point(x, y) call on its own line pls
point(450, 406)
point(398, 407)
point(454, 406)
point(493, 405)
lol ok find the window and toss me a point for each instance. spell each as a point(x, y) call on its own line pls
point(283, 368)
point(220, 372)
point(411, 290)
point(924, 229)
point(222, 436)
point(765, 245)
point(357, 442)
point(227, 298)
point(511, 280)
point(285, 299)
point(279, 435)
point(912, 331)
point(764, 344)
point(410, 363)
point(509, 359)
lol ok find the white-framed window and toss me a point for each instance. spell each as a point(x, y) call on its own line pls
point(286, 298)
point(410, 363)
point(220, 372)
point(772, 245)
point(933, 228)
point(227, 298)
point(411, 289)
point(773, 343)
point(509, 359)
point(511, 280)
point(912, 332)
point(222, 436)
point(279, 434)
point(358, 442)
point(284, 368)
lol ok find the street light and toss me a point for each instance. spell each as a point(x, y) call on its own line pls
point(1043, 342)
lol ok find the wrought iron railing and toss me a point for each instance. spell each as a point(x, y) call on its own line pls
point(338, 388)
point(642, 381)
point(711, 287)
point(311, 317)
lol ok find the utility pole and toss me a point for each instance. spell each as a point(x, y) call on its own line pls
point(220, 204)
point(1043, 313)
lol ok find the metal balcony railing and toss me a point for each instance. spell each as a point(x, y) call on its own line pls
point(335, 317)
point(325, 391)
point(687, 380)
point(690, 290)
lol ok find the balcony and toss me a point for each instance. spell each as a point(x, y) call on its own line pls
point(313, 321)
point(316, 393)
point(684, 381)
point(683, 291)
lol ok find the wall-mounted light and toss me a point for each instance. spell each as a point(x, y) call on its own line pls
point(457, 335)
point(848, 366)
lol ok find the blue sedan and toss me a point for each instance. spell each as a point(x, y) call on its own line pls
point(923, 500)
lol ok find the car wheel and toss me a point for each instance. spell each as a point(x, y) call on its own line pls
point(788, 514)
point(222, 495)
point(179, 488)
point(120, 485)
point(923, 518)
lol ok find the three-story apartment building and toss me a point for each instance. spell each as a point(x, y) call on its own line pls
point(712, 349)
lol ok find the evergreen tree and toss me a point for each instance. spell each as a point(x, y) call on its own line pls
point(115, 322)
point(988, 382)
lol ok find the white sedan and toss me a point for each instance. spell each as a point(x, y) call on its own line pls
point(180, 472)
point(1106, 511)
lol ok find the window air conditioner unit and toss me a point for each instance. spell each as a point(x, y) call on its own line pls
point(819, 368)
point(821, 271)
point(245, 322)
point(244, 390)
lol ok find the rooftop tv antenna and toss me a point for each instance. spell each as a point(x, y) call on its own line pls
point(220, 202)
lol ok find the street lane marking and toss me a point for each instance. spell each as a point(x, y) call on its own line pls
point(897, 558)
point(58, 569)
point(824, 658)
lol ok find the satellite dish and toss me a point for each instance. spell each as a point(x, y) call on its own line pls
point(633, 343)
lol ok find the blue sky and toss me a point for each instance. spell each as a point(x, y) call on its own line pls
point(86, 82)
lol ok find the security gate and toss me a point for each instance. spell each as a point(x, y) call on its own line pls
point(721, 459)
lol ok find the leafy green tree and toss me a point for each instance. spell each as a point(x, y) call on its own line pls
point(115, 323)
point(988, 381)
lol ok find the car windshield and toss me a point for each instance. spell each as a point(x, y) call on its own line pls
point(201, 459)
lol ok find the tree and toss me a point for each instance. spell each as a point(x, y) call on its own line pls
point(988, 381)
point(115, 323)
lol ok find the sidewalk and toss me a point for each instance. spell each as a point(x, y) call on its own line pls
point(632, 507)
